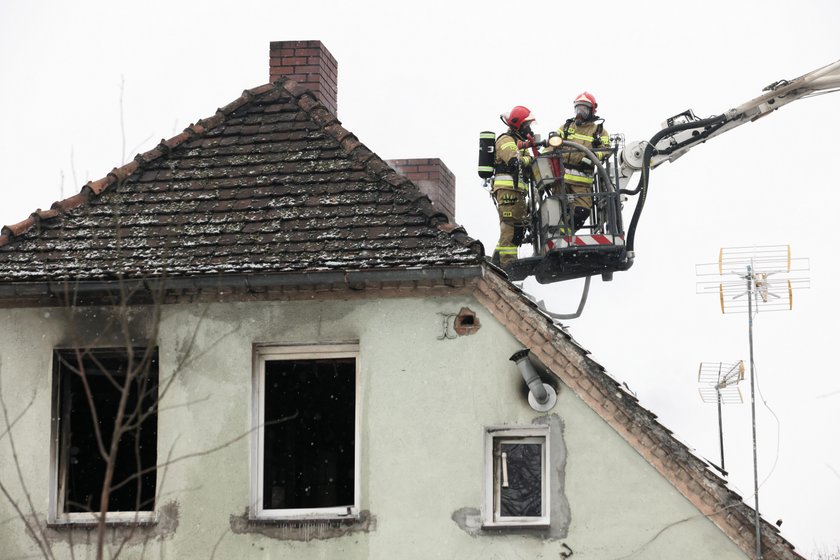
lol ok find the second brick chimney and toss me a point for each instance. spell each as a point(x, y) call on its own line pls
point(433, 178)
point(310, 64)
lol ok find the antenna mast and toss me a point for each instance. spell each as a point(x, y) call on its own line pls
point(720, 385)
point(755, 272)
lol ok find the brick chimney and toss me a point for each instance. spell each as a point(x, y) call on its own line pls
point(433, 178)
point(310, 64)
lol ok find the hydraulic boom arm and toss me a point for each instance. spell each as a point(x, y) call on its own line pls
point(682, 132)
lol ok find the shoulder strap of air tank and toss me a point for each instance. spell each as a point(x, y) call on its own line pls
point(566, 127)
point(596, 136)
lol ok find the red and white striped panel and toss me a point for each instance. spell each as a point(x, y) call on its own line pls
point(580, 240)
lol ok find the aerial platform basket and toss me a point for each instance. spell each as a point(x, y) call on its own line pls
point(560, 253)
point(572, 261)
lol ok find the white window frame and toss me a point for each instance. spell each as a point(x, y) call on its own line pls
point(56, 514)
point(491, 515)
point(271, 352)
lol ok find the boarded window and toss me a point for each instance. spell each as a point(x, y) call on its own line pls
point(101, 394)
point(517, 477)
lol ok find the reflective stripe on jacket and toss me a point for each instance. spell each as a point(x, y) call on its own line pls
point(507, 152)
point(505, 181)
point(580, 177)
point(583, 134)
point(507, 250)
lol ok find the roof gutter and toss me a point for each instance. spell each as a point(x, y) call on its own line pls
point(353, 280)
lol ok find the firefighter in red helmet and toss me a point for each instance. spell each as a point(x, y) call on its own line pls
point(587, 129)
point(510, 188)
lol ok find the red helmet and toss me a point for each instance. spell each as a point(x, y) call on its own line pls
point(588, 99)
point(518, 116)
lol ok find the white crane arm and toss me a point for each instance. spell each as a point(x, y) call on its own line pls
point(673, 144)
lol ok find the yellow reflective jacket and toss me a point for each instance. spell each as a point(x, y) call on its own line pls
point(506, 151)
point(584, 134)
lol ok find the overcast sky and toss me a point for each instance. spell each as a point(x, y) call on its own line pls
point(423, 79)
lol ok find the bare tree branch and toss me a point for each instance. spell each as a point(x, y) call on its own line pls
point(205, 452)
point(19, 416)
point(218, 542)
point(42, 542)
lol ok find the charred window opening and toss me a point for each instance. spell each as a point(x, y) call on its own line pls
point(102, 394)
point(308, 432)
point(517, 485)
point(466, 322)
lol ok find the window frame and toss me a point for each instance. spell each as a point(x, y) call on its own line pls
point(316, 351)
point(58, 471)
point(534, 434)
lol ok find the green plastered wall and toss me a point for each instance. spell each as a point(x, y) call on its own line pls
point(425, 402)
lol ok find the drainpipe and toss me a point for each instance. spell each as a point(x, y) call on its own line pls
point(541, 396)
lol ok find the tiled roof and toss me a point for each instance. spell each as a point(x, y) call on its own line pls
point(271, 183)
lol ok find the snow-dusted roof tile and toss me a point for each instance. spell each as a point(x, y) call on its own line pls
point(271, 183)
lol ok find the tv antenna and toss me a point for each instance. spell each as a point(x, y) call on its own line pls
point(720, 385)
point(759, 274)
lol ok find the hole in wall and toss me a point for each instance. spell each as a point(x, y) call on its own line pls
point(466, 322)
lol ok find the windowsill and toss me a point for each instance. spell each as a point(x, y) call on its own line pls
point(539, 524)
point(349, 519)
point(305, 528)
point(112, 519)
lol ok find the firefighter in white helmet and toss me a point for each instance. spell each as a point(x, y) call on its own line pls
point(510, 187)
point(586, 129)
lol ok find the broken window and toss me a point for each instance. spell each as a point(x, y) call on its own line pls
point(99, 395)
point(307, 431)
point(516, 489)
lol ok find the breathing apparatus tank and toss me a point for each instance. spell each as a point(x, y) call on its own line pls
point(486, 154)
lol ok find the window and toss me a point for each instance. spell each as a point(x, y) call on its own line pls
point(306, 437)
point(88, 388)
point(516, 480)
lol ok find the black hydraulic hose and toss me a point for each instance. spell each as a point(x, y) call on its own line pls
point(649, 151)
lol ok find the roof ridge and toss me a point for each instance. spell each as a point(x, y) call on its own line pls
point(119, 174)
point(375, 165)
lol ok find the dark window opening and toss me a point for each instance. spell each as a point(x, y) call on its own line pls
point(87, 422)
point(309, 433)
